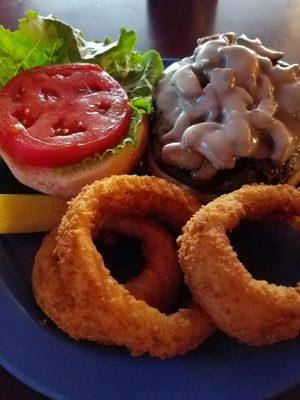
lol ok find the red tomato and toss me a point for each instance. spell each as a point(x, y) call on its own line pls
point(60, 114)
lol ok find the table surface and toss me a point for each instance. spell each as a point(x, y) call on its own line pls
point(171, 27)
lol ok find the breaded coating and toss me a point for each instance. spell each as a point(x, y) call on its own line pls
point(253, 311)
point(159, 282)
point(97, 307)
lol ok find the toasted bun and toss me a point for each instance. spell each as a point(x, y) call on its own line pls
point(67, 181)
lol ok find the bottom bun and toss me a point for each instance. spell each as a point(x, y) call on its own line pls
point(68, 181)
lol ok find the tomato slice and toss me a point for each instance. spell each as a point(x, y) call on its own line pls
point(60, 114)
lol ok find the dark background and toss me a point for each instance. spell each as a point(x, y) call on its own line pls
point(171, 27)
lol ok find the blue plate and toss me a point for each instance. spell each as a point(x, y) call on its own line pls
point(53, 364)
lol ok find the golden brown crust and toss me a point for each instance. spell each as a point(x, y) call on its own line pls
point(101, 309)
point(251, 310)
point(295, 179)
point(159, 282)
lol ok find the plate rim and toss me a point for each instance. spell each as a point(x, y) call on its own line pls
point(41, 388)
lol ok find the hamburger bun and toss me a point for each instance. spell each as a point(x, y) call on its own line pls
point(68, 181)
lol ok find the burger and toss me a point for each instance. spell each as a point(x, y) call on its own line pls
point(226, 116)
point(73, 111)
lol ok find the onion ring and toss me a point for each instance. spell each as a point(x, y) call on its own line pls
point(253, 311)
point(159, 282)
point(100, 309)
point(294, 179)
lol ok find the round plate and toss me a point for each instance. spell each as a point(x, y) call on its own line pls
point(50, 362)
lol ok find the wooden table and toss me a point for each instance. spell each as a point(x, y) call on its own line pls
point(171, 27)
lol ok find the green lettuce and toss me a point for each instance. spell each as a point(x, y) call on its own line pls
point(47, 40)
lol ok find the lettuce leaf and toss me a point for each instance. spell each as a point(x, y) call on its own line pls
point(47, 40)
point(38, 41)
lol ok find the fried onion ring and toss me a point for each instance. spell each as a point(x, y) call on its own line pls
point(98, 308)
point(253, 311)
point(159, 282)
point(294, 179)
